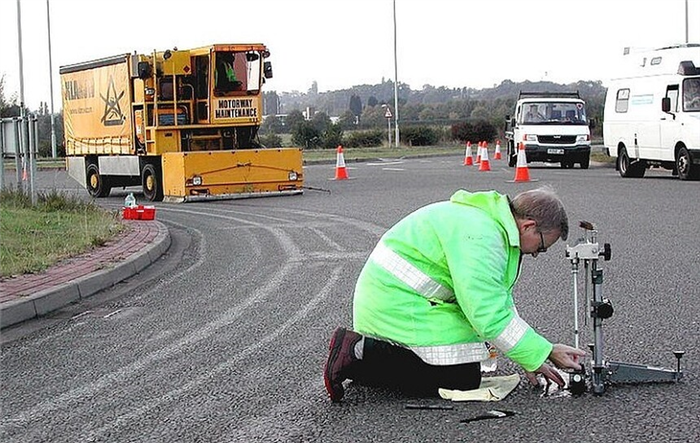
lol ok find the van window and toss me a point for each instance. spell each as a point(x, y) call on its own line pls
point(623, 100)
point(672, 93)
point(691, 94)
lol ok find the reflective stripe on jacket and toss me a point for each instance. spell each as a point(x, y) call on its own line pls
point(440, 282)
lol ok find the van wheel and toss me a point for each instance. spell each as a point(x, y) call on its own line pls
point(97, 185)
point(567, 164)
point(684, 166)
point(152, 183)
point(627, 168)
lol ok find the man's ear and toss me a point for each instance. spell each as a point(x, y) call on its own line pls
point(526, 223)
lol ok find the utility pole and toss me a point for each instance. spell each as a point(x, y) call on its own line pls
point(396, 84)
point(28, 165)
point(54, 153)
point(686, 22)
point(23, 145)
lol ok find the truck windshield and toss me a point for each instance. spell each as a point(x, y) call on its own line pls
point(570, 113)
point(691, 94)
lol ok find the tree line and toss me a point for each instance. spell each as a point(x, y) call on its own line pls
point(356, 116)
point(431, 114)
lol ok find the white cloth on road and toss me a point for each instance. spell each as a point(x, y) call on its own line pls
point(490, 389)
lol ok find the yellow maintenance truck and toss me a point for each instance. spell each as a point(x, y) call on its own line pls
point(180, 123)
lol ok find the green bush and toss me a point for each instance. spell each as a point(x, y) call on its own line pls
point(306, 135)
point(271, 140)
point(420, 136)
point(332, 136)
point(365, 139)
point(474, 132)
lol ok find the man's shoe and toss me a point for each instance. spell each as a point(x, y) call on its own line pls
point(341, 356)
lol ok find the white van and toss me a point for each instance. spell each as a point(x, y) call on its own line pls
point(552, 126)
point(652, 112)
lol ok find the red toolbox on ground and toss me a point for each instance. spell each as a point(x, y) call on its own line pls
point(139, 212)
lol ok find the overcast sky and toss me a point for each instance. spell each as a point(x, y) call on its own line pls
point(341, 43)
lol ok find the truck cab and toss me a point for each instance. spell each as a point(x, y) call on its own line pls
point(553, 127)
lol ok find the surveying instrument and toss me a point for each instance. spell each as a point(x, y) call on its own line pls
point(588, 251)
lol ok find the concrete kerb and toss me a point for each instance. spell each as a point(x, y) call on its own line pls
point(49, 300)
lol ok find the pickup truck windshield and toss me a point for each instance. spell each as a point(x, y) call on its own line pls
point(569, 113)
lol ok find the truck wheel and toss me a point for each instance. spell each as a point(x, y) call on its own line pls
point(152, 183)
point(512, 155)
point(585, 162)
point(567, 164)
point(626, 168)
point(684, 166)
point(97, 185)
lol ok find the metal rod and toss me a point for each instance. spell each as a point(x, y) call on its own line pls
point(2, 155)
point(32, 129)
point(598, 364)
point(574, 272)
point(18, 154)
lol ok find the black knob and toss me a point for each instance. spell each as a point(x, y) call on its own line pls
point(603, 309)
point(607, 252)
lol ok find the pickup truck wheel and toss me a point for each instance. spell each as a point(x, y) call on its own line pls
point(567, 164)
point(684, 166)
point(97, 185)
point(585, 162)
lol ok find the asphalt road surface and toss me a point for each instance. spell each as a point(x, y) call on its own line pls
point(224, 339)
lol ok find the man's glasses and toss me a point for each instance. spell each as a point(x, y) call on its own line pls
point(542, 247)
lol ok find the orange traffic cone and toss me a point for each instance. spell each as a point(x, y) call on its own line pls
point(522, 174)
point(468, 161)
point(340, 172)
point(497, 154)
point(484, 165)
point(478, 155)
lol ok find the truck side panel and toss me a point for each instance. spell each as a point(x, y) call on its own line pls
point(97, 110)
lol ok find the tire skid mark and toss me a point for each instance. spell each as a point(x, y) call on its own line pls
point(291, 267)
point(225, 367)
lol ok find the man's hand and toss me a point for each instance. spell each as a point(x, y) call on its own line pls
point(563, 357)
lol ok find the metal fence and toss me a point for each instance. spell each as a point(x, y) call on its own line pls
point(19, 144)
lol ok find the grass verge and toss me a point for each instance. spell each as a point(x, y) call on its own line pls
point(33, 237)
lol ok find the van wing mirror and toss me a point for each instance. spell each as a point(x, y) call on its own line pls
point(591, 123)
point(666, 104)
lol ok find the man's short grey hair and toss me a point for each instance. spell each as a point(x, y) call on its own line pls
point(544, 207)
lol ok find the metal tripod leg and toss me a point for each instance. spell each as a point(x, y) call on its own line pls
point(604, 373)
